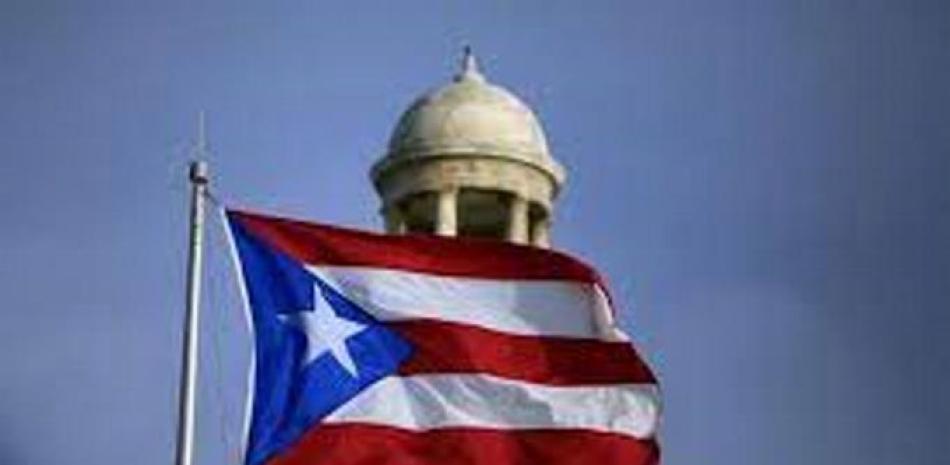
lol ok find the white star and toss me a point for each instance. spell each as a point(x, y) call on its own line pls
point(325, 331)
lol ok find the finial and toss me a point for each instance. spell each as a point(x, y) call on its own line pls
point(198, 170)
point(199, 149)
point(202, 141)
point(469, 66)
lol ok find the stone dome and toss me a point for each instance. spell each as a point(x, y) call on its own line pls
point(471, 116)
point(469, 159)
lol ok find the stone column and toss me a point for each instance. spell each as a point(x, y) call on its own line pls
point(395, 223)
point(518, 220)
point(446, 220)
point(541, 232)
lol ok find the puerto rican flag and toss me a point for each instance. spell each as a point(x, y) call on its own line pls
point(421, 350)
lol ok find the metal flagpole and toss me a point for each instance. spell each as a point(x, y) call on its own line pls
point(198, 176)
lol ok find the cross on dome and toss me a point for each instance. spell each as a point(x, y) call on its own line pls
point(469, 69)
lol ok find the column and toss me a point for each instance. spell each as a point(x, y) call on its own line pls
point(541, 232)
point(518, 220)
point(446, 221)
point(395, 222)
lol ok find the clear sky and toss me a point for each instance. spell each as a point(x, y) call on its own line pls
point(765, 184)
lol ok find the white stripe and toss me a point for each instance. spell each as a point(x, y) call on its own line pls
point(526, 307)
point(440, 401)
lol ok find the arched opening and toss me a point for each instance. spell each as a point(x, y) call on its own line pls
point(483, 213)
point(418, 213)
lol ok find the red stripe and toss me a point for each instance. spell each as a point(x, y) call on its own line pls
point(330, 245)
point(361, 444)
point(442, 347)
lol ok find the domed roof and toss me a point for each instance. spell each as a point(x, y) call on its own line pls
point(471, 116)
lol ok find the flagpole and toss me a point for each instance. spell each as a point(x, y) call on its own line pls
point(198, 177)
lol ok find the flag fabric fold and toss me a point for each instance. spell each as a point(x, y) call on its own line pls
point(376, 349)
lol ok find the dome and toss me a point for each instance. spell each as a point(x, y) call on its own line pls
point(471, 116)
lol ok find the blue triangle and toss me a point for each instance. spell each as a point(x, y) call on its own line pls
point(289, 399)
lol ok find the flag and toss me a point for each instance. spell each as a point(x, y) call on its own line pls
point(423, 350)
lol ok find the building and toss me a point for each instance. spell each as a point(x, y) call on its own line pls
point(469, 159)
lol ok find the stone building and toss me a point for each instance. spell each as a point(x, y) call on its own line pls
point(469, 159)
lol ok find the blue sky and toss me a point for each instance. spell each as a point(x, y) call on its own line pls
point(764, 184)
